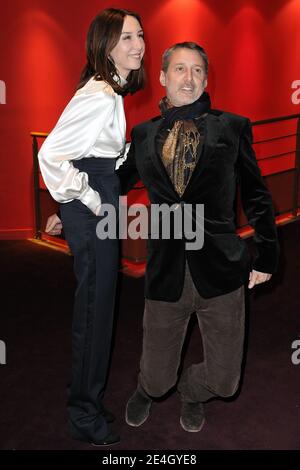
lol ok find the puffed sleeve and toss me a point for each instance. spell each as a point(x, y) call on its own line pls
point(72, 138)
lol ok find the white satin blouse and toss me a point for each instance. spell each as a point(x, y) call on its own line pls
point(92, 125)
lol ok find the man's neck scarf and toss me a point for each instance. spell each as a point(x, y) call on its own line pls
point(171, 113)
point(180, 149)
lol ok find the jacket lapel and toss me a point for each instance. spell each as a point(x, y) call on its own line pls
point(156, 159)
point(211, 137)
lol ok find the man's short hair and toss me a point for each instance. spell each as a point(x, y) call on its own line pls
point(183, 45)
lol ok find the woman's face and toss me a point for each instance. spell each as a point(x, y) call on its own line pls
point(129, 51)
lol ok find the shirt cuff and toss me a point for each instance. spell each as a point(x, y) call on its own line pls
point(123, 156)
point(91, 199)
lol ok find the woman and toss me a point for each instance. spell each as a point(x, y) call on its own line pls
point(77, 162)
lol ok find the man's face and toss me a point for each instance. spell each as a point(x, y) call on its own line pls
point(185, 78)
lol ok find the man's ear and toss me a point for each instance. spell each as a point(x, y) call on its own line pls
point(162, 78)
point(205, 83)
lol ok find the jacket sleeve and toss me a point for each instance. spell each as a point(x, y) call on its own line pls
point(257, 204)
point(128, 172)
point(73, 138)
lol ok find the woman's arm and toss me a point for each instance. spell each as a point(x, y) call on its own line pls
point(72, 138)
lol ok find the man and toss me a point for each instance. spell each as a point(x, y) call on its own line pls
point(189, 156)
point(192, 155)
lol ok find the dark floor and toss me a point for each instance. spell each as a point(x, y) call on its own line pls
point(36, 308)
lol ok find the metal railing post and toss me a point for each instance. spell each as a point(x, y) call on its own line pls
point(37, 202)
point(297, 173)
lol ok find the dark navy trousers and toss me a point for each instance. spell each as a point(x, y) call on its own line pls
point(95, 268)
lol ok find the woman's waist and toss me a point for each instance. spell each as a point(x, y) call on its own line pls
point(96, 165)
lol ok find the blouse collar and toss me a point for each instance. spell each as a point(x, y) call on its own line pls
point(120, 80)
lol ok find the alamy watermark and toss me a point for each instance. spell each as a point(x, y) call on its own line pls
point(296, 94)
point(2, 92)
point(295, 358)
point(158, 221)
point(2, 352)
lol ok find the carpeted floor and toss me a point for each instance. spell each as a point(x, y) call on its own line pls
point(36, 308)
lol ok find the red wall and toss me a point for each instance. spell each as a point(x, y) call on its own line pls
point(253, 46)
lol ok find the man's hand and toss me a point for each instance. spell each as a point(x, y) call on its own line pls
point(257, 277)
point(54, 225)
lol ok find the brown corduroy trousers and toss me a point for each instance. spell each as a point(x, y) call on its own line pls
point(221, 321)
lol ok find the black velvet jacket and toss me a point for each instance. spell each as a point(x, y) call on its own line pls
point(223, 263)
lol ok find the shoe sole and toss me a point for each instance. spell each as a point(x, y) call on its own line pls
point(80, 438)
point(192, 430)
point(105, 445)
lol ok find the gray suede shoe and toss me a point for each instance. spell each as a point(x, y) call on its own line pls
point(138, 408)
point(192, 416)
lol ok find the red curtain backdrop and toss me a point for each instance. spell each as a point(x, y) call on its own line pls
point(253, 46)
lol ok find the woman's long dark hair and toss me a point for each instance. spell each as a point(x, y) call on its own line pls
point(103, 35)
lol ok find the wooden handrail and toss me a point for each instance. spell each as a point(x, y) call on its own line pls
point(39, 134)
